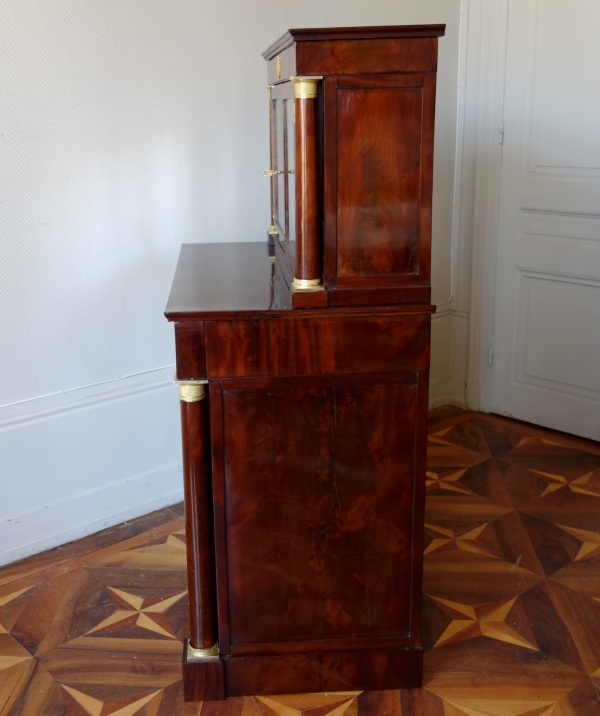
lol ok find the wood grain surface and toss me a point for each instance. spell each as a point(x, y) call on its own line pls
point(349, 57)
point(335, 501)
point(511, 612)
point(379, 163)
point(313, 345)
point(197, 487)
point(308, 248)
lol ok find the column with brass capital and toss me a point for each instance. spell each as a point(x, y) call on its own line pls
point(203, 642)
point(308, 263)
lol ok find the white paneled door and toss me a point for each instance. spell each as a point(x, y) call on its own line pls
point(546, 347)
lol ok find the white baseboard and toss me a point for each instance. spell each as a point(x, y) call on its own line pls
point(457, 392)
point(449, 343)
point(438, 393)
point(441, 333)
point(77, 462)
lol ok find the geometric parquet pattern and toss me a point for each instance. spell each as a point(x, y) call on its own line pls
point(511, 610)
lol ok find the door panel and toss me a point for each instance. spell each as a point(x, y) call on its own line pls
point(546, 326)
point(319, 486)
point(545, 302)
point(378, 181)
point(379, 137)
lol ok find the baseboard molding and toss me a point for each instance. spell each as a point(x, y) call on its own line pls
point(441, 335)
point(78, 462)
point(449, 341)
point(457, 392)
point(438, 393)
point(98, 509)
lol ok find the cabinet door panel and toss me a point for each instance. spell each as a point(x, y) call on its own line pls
point(319, 509)
point(378, 181)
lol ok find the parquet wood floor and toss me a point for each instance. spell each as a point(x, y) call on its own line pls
point(511, 605)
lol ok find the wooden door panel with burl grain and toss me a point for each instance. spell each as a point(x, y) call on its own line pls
point(319, 490)
point(378, 180)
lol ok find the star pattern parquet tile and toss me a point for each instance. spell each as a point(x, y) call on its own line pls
point(511, 606)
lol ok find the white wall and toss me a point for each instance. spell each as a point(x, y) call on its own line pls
point(476, 147)
point(127, 128)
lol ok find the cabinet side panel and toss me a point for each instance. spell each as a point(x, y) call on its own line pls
point(319, 484)
point(379, 163)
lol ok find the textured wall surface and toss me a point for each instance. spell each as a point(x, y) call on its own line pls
point(127, 128)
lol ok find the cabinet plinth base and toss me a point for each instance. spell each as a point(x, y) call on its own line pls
point(203, 679)
point(357, 670)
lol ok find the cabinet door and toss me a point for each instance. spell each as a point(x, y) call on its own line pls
point(379, 164)
point(319, 484)
point(284, 153)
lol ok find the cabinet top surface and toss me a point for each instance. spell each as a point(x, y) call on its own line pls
point(229, 277)
point(315, 34)
point(235, 280)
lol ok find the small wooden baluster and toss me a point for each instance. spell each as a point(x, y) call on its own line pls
point(308, 270)
point(198, 516)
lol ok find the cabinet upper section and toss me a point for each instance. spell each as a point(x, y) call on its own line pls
point(352, 122)
point(353, 50)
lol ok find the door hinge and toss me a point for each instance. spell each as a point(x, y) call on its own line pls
point(501, 133)
point(491, 353)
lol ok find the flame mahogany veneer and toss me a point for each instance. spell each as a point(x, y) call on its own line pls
point(304, 459)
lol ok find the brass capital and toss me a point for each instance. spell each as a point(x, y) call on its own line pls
point(305, 87)
point(191, 392)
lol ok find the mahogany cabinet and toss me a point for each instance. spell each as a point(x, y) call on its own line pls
point(303, 367)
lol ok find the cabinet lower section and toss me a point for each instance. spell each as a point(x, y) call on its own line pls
point(348, 670)
point(304, 506)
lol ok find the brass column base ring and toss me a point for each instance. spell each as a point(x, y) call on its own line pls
point(210, 654)
point(307, 284)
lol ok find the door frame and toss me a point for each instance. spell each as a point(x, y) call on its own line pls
point(487, 23)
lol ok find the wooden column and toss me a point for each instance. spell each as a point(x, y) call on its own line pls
point(308, 264)
point(198, 521)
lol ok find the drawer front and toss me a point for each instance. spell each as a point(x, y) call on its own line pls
point(317, 346)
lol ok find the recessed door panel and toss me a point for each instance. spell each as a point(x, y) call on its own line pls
point(319, 486)
point(378, 181)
